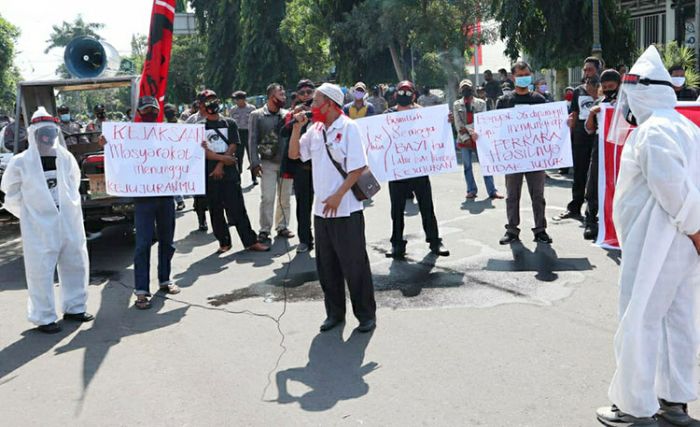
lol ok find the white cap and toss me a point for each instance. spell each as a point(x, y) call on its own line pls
point(333, 92)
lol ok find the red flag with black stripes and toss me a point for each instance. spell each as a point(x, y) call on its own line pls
point(154, 78)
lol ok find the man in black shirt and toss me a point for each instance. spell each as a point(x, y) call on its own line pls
point(223, 180)
point(683, 92)
point(535, 180)
point(584, 98)
point(493, 90)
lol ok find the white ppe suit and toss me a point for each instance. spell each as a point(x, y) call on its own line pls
point(656, 207)
point(51, 221)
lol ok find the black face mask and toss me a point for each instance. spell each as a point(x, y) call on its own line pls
point(149, 117)
point(404, 100)
point(467, 93)
point(630, 118)
point(610, 95)
point(213, 107)
point(309, 102)
point(169, 114)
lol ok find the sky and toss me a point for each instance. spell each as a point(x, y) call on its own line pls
point(122, 19)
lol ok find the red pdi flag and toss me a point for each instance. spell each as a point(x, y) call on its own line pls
point(154, 79)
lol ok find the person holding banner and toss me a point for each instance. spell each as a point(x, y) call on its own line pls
point(401, 189)
point(224, 193)
point(610, 84)
point(341, 249)
point(522, 95)
point(152, 214)
point(463, 112)
point(656, 211)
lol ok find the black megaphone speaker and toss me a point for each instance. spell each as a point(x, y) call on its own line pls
point(86, 57)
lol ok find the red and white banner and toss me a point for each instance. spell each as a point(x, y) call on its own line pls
point(154, 78)
point(609, 166)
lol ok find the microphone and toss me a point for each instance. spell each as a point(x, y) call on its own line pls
point(308, 115)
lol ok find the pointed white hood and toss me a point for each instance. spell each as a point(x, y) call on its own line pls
point(644, 100)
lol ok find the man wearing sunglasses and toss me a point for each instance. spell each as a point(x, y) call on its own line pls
point(400, 190)
point(656, 211)
point(300, 170)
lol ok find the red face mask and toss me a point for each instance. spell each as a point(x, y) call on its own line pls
point(569, 96)
point(317, 115)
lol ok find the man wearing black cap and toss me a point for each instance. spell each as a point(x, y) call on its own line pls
point(224, 192)
point(300, 170)
point(399, 191)
point(150, 211)
point(96, 124)
point(240, 113)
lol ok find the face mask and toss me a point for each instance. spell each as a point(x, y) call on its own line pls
point(65, 118)
point(149, 117)
point(467, 93)
point(278, 102)
point(317, 115)
point(213, 107)
point(678, 81)
point(569, 96)
point(169, 114)
point(523, 81)
point(610, 94)
point(404, 100)
point(359, 95)
point(308, 102)
point(543, 89)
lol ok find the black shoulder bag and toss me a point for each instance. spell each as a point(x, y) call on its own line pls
point(365, 187)
point(235, 164)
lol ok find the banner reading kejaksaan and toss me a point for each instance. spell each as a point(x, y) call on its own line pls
point(526, 138)
point(153, 159)
point(409, 143)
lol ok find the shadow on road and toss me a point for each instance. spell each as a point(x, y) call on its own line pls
point(335, 372)
point(477, 207)
point(544, 261)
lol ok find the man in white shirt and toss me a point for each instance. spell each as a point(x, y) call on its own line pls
point(341, 253)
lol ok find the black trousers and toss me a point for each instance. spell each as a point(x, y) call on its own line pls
point(240, 151)
point(582, 146)
point(226, 196)
point(398, 192)
point(341, 256)
point(304, 195)
point(592, 188)
point(200, 208)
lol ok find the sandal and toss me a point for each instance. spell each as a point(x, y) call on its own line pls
point(170, 288)
point(286, 233)
point(142, 302)
point(471, 195)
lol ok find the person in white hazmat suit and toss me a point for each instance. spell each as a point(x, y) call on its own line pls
point(41, 189)
point(656, 211)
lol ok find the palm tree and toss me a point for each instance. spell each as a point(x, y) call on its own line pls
point(67, 31)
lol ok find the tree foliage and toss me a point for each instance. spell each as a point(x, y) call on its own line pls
point(62, 34)
point(263, 57)
point(673, 54)
point(559, 34)
point(305, 35)
point(186, 75)
point(9, 74)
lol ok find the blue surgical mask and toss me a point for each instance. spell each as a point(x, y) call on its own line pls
point(65, 117)
point(523, 81)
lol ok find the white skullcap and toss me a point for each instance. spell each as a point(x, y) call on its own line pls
point(333, 92)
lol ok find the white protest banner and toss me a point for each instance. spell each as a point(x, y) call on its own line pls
point(154, 159)
point(409, 143)
point(526, 138)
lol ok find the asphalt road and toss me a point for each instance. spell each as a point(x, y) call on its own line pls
point(490, 336)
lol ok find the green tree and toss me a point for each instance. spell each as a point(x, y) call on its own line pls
point(263, 57)
point(9, 74)
point(305, 35)
point(560, 35)
point(186, 74)
point(218, 23)
point(62, 34)
point(674, 54)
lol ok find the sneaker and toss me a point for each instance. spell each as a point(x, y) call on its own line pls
point(509, 238)
point(567, 215)
point(543, 237)
point(302, 247)
point(675, 413)
point(203, 227)
point(264, 237)
point(612, 416)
